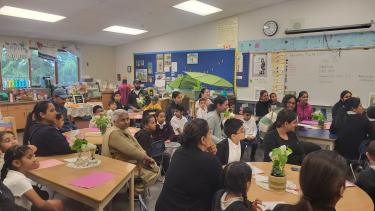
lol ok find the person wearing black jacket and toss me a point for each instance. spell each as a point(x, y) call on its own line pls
point(366, 179)
point(194, 174)
point(232, 148)
point(59, 97)
point(353, 127)
point(176, 100)
point(42, 132)
point(282, 133)
point(262, 107)
point(136, 93)
point(339, 109)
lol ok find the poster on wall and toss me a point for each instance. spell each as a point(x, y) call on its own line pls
point(141, 74)
point(174, 67)
point(159, 63)
point(149, 68)
point(371, 100)
point(259, 69)
point(167, 62)
point(192, 58)
point(160, 80)
point(140, 63)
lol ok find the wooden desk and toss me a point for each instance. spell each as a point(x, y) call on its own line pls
point(354, 198)
point(135, 115)
point(94, 139)
point(321, 137)
point(59, 177)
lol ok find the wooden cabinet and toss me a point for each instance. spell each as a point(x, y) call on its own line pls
point(106, 97)
point(19, 111)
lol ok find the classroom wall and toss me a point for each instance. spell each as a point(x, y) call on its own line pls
point(98, 62)
point(310, 13)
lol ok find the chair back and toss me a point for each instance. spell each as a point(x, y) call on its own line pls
point(142, 204)
point(157, 148)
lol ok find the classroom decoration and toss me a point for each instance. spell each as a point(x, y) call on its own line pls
point(210, 79)
point(86, 152)
point(185, 82)
point(17, 50)
point(279, 157)
point(218, 62)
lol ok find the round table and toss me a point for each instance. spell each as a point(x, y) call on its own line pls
point(354, 198)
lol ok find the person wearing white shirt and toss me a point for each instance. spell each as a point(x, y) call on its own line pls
point(202, 110)
point(112, 107)
point(251, 131)
point(232, 148)
point(178, 121)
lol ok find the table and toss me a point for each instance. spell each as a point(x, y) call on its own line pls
point(354, 198)
point(321, 137)
point(58, 178)
point(135, 115)
point(94, 137)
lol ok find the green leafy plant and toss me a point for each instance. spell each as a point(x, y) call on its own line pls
point(229, 114)
point(318, 116)
point(79, 144)
point(102, 122)
point(279, 157)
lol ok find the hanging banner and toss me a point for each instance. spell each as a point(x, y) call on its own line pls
point(17, 50)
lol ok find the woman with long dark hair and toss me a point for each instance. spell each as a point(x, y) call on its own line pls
point(41, 131)
point(352, 128)
point(322, 180)
point(262, 107)
point(194, 174)
point(304, 109)
point(339, 108)
point(282, 132)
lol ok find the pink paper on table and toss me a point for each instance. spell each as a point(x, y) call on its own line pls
point(309, 122)
point(92, 180)
point(49, 163)
point(93, 129)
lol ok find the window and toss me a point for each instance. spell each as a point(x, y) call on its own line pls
point(40, 68)
point(14, 69)
point(67, 64)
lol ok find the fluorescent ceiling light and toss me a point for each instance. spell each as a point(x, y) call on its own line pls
point(124, 30)
point(197, 7)
point(29, 14)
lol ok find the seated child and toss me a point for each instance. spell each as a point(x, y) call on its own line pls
point(97, 111)
point(164, 130)
point(366, 179)
point(18, 161)
point(154, 105)
point(232, 148)
point(178, 121)
point(112, 107)
point(145, 139)
point(237, 180)
point(202, 110)
point(250, 131)
point(59, 122)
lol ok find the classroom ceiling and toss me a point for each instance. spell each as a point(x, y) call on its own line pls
point(86, 18)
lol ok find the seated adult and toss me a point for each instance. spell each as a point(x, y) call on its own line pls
point(43, 133)
point(176, 100)
point(232, 148)
point(194, 174)
point(352, 128)
point(58, 100)
point(282, 133)
point(119, 144)
point(322, 180)
point(135, 94)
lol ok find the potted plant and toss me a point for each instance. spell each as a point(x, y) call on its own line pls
point(81, 145)
point(279, 157)
point(319, 116)
point(102, 122)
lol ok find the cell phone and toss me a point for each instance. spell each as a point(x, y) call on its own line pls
point(293, 168)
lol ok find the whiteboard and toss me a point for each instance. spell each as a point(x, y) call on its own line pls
point(324, 74)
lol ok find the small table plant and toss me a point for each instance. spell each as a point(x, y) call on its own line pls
point(319, 116)
point(81, 145)
point(277, 179)
point(102, 122)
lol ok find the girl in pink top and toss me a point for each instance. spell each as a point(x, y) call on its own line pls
point(304, 109)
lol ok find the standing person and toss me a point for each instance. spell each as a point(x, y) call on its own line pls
point(194, 174)
point(43, 132)
point(203, 94)
point(137, 93)
point(124, 90)
point(58, 100)
point(176, 100)
point(273, 101)
point(263, 105)
point(352, 128)
point(251, 131)
point(237, 181)
point(215, 118)
point(339, 109)
point(281, 133)
point(304, 109)
point(322, 180)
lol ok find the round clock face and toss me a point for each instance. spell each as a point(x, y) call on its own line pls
point(270, 28)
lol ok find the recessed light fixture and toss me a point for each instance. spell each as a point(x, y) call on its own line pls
point(29, 14)
point(197, 7)
point(124, 30)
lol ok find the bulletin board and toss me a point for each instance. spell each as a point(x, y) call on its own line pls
point(218, 62)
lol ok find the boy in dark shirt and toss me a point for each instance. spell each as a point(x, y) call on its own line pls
point(366, 179)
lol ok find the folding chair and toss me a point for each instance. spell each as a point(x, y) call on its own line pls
point(142, 204)
point(157, 150)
